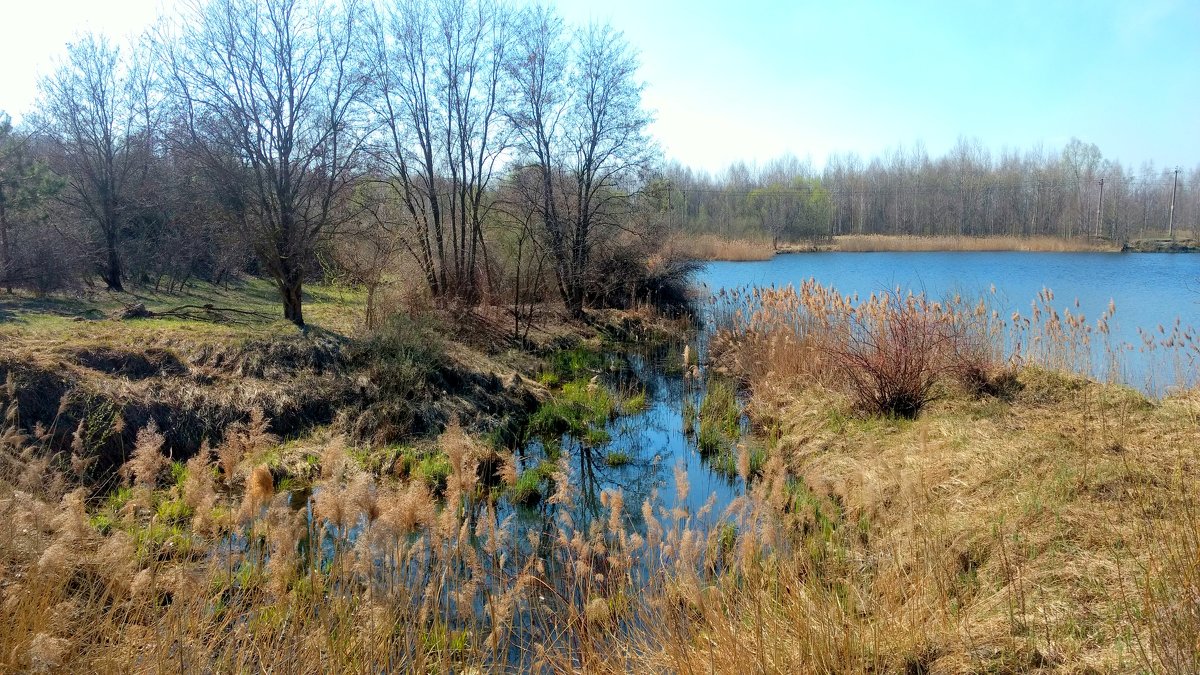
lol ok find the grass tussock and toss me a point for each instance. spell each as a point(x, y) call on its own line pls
point(880, 242)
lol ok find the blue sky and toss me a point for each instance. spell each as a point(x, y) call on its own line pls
point(755, 79)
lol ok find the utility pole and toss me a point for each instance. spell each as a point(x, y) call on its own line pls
point(1100, 210)
point(1171, 216)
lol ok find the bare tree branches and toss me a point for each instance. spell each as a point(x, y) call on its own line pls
point(578, 114)
point(271, 93)
point(100, 115)
point(437, 66)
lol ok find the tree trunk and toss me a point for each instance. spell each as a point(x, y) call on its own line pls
point(112, 271)
point(291, 288)
point(573, 298)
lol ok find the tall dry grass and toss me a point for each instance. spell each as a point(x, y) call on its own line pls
point(1047, 528)
point(1039, 521)
point(713, 247)
point(879, 242)
point(812, 331)
point(220, 569)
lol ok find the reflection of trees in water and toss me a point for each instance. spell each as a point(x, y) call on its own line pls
point(654, 441)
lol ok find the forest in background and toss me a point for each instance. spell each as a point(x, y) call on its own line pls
point(968, 191)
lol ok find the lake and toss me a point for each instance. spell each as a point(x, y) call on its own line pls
point(1148, 289)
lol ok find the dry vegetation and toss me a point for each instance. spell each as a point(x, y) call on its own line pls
point(714, 247)
point(1025, 520)
point(879, 242)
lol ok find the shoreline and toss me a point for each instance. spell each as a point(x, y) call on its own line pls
point(714, 248)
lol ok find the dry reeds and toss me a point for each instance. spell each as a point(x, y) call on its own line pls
point(713, 247)
point(1051, 531)
point(878, 242)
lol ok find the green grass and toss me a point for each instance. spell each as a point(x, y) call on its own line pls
point(634, 402)
point(53, 317)
point(580, 409)
point(616, 458)
point(173, 511)
point(428, 465)
point(533, 484)
point(720, 407)
point(574, 364)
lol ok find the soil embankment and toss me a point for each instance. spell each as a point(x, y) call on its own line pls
point(89, 389)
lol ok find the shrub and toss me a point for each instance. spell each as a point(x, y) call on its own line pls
point(625, 276)
point(894, 352)
point(889, 351)
point(401, 356)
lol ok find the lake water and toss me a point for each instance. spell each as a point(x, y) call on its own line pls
point(1148, 289)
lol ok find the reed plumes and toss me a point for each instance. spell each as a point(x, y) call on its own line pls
point(147, 462)
point(890, 350)
point(1046, 529)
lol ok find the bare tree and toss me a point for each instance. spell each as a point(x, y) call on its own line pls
point(438, 68)
point(580, 121)
point(523, 248)
point(99, 112)
point(269, 92)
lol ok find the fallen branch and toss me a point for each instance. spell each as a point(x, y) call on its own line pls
point(207, 312)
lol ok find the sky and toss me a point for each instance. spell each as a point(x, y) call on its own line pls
point(752, 80)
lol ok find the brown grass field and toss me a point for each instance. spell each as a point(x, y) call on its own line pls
point(713, 247)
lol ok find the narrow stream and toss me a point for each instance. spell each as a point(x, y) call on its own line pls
point(654, 441)
point(657, 440)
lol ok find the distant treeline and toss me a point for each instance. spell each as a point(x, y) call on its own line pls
point(966, 192)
